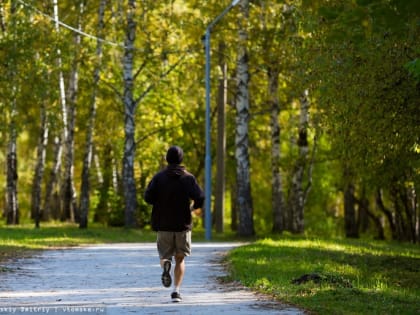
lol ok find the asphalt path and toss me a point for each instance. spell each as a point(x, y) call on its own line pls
point(125, 279)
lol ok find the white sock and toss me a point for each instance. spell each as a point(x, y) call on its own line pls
point(176, 289)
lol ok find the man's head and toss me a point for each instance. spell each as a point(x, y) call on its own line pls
point(174, 155)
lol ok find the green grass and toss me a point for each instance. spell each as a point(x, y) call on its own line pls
point(17, 241)
point(357, 277)
point(64, 235)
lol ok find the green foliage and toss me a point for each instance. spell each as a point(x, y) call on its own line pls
point(367, 101)
point(414, 68)
point(359, 60)
point(323, 275)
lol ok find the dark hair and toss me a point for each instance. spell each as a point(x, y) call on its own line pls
point(174, 155)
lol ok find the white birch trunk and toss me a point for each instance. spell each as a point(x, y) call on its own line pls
point(87, 160)
point(12, 211)
point(129, 184)
point(40, 166)
point(50, 208)
point(50, 205)
point(2, 22)
point(69, 195)
point(62, 88)
point(277, 199)
point(244, 198)
point(219, 204)
point(12, 206)
point(297, 193)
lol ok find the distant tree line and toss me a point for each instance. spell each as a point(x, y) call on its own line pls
point(315, 111)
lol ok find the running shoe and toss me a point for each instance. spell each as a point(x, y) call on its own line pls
point(176, 297)
point(166, 275)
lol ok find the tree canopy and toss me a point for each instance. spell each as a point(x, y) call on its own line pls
point(94, 92)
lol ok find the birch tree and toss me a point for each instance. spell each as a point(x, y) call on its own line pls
point(12, 173)
point(40, 164)
point(12, 207)
point(87, 160)
point(244, 198)
point(298, 193)
point(277, 200)
point(219, 204)
point(69, 196)
point(129, 184)
point(50, 207)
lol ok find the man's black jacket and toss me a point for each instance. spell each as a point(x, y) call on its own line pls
point(170, 192)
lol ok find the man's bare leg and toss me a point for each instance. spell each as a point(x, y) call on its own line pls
point(179, 271)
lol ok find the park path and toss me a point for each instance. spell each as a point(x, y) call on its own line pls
point(124, 279)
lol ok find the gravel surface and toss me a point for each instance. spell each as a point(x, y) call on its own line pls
point(125, 279)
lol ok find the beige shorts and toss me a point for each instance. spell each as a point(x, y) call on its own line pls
point(173, 243)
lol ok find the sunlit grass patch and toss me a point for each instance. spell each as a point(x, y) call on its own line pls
point(66, 234)
point(333, 276)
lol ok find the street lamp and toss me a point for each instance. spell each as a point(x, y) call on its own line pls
point(207, 188)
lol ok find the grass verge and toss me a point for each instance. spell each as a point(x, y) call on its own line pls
point(66, 235)
point(333, 276)
point(20, 241)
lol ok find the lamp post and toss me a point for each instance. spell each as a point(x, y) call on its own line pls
point(207, 178)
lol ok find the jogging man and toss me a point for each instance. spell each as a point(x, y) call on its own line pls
point(170, 192)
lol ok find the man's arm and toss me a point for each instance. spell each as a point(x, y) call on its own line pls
point(196, 194)
point(149, 194)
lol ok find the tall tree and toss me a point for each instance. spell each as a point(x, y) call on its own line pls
point(69, 197)
point(277, 199)
point(130, 105)
point(87, 160)
point(12, 172)
point(298, 194)
point(274, 31)
point(50, 207)
point(40, 165)
point(12, 209)
point(244, 198)
point(221, 141)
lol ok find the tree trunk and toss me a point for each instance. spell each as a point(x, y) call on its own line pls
point(129, 184)
point(400, 222)
point(221, 143)
point(234, 208)
point(103, 208)
point(364, 204)
point(12, 207)
point(350, 215)
point(277, 199)
point(69, 196)
point(408, 196)
point(244, 199)
point(87, 160)
point(2, 22)
point(40, 167)
point(12, 212)
point(388, 214)
point(297, 194)
point(50, 204)
point(51, 209)
point(413, 204)
point(363, 217)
